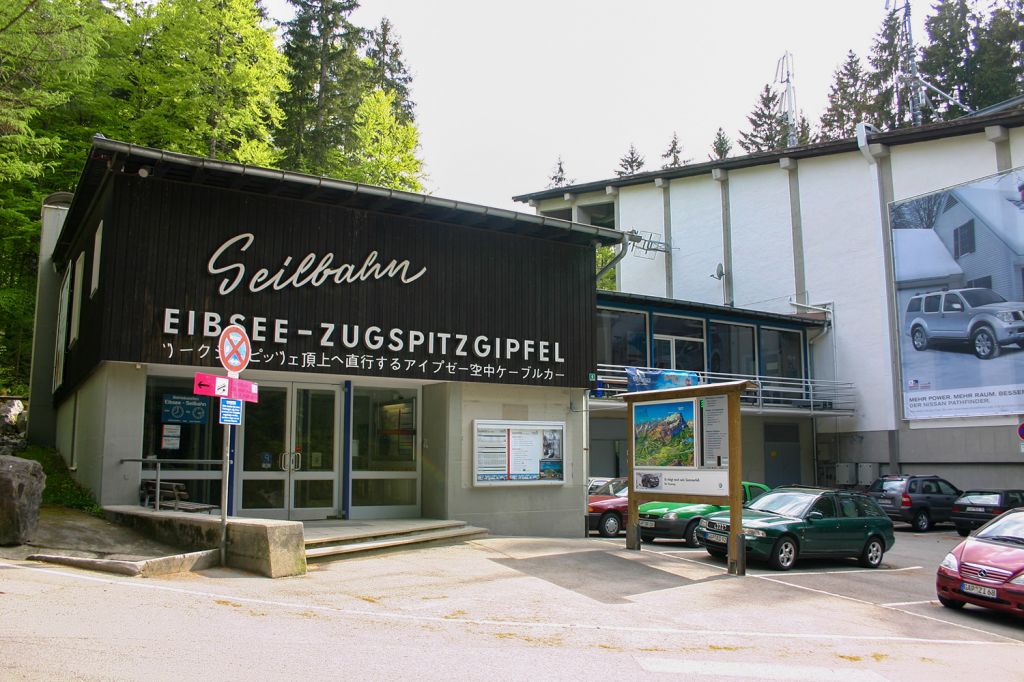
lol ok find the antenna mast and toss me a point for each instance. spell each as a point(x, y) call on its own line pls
point(784, 75)
point(909, 75)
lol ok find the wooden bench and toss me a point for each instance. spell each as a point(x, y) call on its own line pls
point(173, 495)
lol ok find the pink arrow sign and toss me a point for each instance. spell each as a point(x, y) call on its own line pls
point(225, 387)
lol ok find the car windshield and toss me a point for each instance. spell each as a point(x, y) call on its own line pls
point(613, 487)
point(1008, 528)
point(979, 497)
point(976, 297)
point(784, 502)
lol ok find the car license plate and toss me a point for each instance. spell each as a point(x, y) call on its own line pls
point(975, 509)
point(885, 501)
point(720, 539)
point(646, 524)
point(980, 590)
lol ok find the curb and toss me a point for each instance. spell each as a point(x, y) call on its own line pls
point(147, 568)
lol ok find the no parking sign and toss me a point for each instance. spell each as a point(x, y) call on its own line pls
point(234, 349)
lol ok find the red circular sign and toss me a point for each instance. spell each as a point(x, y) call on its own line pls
point(1020, 430)
point(234, 349)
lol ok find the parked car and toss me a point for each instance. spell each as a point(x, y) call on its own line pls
point(918, 499)
point(791, 522)
point(610, 488)
point(607, 515)
point(678, 520)
point(979, 316)
point(975, 508)
point(986, 569)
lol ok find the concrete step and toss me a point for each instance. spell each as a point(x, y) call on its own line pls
point(353, 544)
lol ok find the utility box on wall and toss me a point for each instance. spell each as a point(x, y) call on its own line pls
point(846, 473)
point(867, 472)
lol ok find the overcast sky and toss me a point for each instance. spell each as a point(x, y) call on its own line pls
point(502, 89)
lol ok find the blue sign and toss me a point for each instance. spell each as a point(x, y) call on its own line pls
point(183, 409)
point(656, 379)
point(230, 412)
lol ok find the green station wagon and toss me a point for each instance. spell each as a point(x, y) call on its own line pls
point(795, 521)
point(678, 520)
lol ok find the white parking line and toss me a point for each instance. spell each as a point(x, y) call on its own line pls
point(907, 603)
point(856, 570)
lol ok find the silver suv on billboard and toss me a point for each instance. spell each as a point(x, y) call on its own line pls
point(979, 316)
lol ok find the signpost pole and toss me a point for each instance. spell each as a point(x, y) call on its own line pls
point(229, 431)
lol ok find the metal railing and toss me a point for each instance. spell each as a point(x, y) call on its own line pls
point(159, 462)
point(818, 396)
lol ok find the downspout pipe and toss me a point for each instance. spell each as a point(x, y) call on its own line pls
point(627, 239)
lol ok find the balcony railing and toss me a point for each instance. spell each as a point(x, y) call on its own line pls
point(772, 394)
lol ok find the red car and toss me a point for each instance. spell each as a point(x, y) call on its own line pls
point(607, 515)
point(988, 568)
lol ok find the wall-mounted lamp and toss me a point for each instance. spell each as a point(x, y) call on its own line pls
point(144, 171)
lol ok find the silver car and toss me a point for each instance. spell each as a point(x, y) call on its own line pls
point(979, 316)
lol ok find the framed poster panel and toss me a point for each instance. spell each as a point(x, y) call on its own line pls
point(518, 453)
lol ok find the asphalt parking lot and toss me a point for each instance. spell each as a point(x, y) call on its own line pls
point(507, 608)
point(905, 581)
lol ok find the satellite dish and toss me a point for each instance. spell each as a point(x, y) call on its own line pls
point(719, 272)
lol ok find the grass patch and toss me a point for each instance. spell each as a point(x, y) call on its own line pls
point(61, 490)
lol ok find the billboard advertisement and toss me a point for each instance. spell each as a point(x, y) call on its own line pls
point(958, 259)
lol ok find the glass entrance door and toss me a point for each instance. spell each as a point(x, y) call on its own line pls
point(385, 453)
point(289, 453)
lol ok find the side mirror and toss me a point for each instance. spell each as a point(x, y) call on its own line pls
point(815, 516)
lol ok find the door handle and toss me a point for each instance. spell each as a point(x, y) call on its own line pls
point(296, 461)
point(283, 461)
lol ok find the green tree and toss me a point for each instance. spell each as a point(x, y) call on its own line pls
point(998, 59)
point(326, 84)
point(604, 256)
point(891, 103)
point(385, 149)
point(558, 177)
point(672, 154)
point(387, 70)
point(721, 146)
point(848, 102)
point(631, 163)
point(45, 46)
point(947, 62)
point(202, 78)
point(768, 129)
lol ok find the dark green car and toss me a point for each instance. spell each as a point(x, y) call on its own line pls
point(678, 520)
point(795, 521)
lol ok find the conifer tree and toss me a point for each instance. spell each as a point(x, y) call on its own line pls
point(384, 149)
point(327, 81)
point(947, 61)
point(631, 163)
point(720, 146)
point(672, 154)
point(890, 102)
point(767, 126)
point(558, 177)
point(998, 59)
point(848, 102)
point(387, 70)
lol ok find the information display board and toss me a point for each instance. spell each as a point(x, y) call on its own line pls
point(518, 453)
point(681, 446)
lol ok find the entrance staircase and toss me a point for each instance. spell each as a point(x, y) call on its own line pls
point(338, 539)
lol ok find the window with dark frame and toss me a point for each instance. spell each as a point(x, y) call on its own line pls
point(963, 239)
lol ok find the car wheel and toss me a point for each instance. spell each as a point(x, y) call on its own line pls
point(950, 603)
point(871, 557)
point(922, 522)
point(692, 539)
point(647, 538)
point(784, 554)
point(984, 343)
point(963, 532)
point(919, 338)
point(609, 525)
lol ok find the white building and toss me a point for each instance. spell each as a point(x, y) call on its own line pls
point(807, 229)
